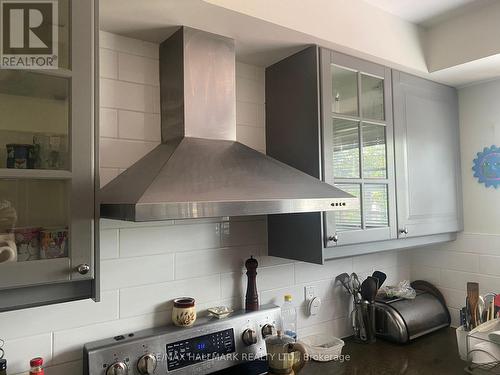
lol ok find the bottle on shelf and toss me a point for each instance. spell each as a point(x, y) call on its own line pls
point(36, 366)
point(289, 318)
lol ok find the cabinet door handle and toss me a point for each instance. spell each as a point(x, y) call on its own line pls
point(83, 269)
point(334, 238)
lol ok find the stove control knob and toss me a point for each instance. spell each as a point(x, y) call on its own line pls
point(118, 368)
point(249, 337)
point(147, 364)
point(267, 330)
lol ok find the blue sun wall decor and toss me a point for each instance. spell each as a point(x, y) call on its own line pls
point(487, 166)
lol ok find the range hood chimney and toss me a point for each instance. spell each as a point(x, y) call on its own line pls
point(199, 170)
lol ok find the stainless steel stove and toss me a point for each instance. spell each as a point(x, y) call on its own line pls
point(232, 345)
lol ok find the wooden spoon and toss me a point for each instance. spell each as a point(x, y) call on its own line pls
point(473, 294)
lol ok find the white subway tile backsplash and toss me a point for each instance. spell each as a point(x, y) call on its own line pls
point(250, 114)
point(275, 277)
point(251, 72)
point(277, 296)
point(20, 351)
point(108, 63)
point(128, 45)
point(106, 175)
point(155, 298)
point(156, 100)
point(232, 284)
point(268, 278)
point(126, 272)
point(252, 137)
point(139, 125)
point(109, 244)
point(430, 274)
point(454, 298)
point(306, 272)
point(433, 257)
point(372, 262)
point(338, 327)
point(208, 262)
point(168, 239)
point(471, 258)
point(112, 153)
point(241, 233)
point(248, 89)
point(489, 265)
point(138, 69)
point(108, 123)
point(127, 95)
point(330, 310)
point(37, 320)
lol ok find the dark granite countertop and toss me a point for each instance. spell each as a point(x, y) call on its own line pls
point(434, 354)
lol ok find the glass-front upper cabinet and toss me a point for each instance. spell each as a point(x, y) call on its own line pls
point(358, 147)
point(47, 151)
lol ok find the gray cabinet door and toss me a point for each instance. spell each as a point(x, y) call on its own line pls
point(47, 209)
point(358, 154)
point(428, 181)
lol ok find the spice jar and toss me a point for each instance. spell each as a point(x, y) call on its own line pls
point(184, 312)
point(36, 366)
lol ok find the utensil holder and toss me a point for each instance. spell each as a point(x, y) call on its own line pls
point(369, 316)
point(363, 320)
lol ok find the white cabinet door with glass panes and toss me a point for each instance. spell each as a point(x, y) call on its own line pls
point(46, 159)
point(358, 148)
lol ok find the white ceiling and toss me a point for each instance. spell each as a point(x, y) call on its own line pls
point(261, 41)
point(420, 11)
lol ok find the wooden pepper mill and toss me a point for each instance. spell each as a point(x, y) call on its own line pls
point(252, 298)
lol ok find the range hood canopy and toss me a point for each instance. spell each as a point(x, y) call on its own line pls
point(200, 170)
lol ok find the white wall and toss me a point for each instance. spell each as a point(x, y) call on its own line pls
point(355, 25)
point(475, 256)
point(469, 36)
point(144, 266)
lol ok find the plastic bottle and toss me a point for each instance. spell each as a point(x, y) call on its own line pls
point(36, 366)
point(289, 318)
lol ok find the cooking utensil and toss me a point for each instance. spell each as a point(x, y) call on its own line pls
point(473, 295)
point(380, 276)
point(481, 310)
point(355, 283)
point(489, 301)
point(369, 289)
point(468, 320)
point(344, 279)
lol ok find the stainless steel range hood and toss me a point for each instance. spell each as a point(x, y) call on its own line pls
point(199, 170)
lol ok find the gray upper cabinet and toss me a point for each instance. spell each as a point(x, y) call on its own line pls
point(47, 171)
point(388, 138)
point(427, 157)
point(358, 152)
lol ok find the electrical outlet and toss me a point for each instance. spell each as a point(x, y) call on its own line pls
point(310, 292)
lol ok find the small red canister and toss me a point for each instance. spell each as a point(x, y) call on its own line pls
point(36, 366)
